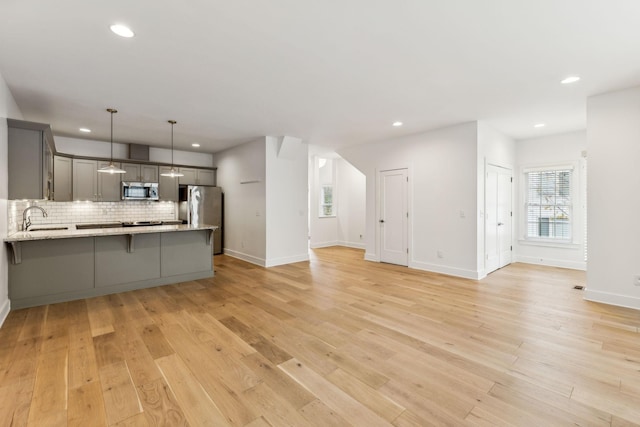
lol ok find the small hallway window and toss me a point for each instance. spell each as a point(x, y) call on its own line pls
point(326, 181)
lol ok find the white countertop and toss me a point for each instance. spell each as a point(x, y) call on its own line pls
point(72, 232)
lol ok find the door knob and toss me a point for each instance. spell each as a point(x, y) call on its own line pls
point(381, 221)
point(501, 223)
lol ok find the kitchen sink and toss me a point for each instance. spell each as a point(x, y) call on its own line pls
point(48, 228)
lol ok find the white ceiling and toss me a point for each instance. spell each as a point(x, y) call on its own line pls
point(333, 72)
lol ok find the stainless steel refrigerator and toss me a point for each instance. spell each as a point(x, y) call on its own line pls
point(202, 204)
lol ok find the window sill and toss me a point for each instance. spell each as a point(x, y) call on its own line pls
point(328, 216)
point(549, 244)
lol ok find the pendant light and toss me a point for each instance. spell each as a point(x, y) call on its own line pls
point(173, 173)
point(111, 168)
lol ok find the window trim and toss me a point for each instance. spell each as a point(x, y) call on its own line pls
point(574, 201)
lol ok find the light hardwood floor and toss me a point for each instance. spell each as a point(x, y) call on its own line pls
point(337, 341)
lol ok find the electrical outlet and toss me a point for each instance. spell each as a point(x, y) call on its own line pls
point(636, 280)
point(440, 254)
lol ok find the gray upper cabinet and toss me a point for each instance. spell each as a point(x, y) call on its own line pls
point(62, 179)
point(132, 172)
point(109, 186)
point(167, 187)
point(88, 184)
point(85, 179)
point(140, 172)
point(193, 176)
point(149, 173)
point(26, 164)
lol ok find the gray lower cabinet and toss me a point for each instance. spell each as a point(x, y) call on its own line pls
point(56, 270)
point(52, 267)
point(185, 252)
point(116, 266)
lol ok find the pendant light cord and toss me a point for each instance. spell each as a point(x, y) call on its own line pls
point(112, 111)
point(173, 122)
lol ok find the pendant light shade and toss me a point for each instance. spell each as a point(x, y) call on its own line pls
point(173, 173)
point(111, 168)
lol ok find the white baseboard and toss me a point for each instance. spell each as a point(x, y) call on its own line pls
point(287, 260)
point(371, 257)
point(266, 262)
point(354, 245)
point(4, 311)
point(574, 265)
point(245, 257)
point(337, 243)
point(450, 271)
point(613, 299)
point(323, 244)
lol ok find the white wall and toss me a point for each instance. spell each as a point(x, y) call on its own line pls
point(91, 148)
point(352, 188)
point(347, 227)
point(286, 201)
point(8, 109)
point(442, 184)
point(244, 204)
point(561, 149)
point(613, 141)
point(494, 148)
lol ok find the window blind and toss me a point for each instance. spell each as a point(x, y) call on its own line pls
point(548, 210)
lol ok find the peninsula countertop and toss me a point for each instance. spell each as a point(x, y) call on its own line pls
point(72, 232)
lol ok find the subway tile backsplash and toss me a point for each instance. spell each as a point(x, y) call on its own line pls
point(89, 212)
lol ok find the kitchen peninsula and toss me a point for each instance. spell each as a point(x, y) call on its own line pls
point(49, 265)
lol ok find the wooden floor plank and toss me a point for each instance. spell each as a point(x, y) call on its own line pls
point(86, 406)
point(335, 341)
point(190, 395)
point(121, 399)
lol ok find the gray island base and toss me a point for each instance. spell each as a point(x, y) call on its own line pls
point(65, 266)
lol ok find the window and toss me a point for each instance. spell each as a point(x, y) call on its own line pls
point(326, 185)
point(548, 210)
point(326, 200)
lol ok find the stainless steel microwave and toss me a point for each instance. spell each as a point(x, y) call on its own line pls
point(139, 190)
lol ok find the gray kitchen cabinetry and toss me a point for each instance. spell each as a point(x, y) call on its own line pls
point(85, 179)
point(50, 270)
point(185, 252)
point(109, 187)
point(62, 179)
point(26, 164)
point(52, 267)
point(88, 184)
point(140, 172)
point(116, 266)
point(193, 176)
point(167, 186)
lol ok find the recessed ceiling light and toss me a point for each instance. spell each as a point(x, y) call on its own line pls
point(539, 125)
point(195, 144)
point(85, 130)
point(122, 30)
point(397, 124)
point(570, 79)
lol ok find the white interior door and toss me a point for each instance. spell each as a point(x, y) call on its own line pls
point(498, 217)
point(393, 219)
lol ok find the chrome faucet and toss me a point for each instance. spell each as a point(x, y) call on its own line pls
point(26, 221)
